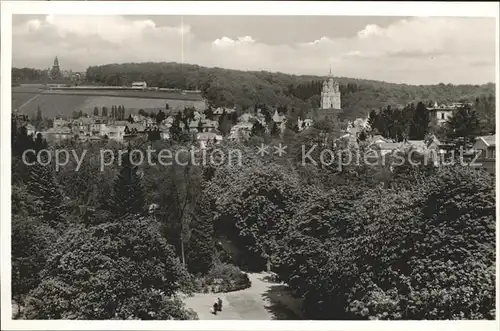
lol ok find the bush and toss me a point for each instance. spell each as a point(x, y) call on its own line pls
point(224, 278)
point(119, 270)
point(31, 242)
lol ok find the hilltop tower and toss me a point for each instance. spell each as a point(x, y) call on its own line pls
point(330, 94)
point(55, 72)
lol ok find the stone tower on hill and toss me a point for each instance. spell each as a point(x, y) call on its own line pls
point(330, 94)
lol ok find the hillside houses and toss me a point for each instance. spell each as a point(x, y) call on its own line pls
point(241, 131)
point(485, 149)
point(207, 139)
point(429, 148)
point(304, 124)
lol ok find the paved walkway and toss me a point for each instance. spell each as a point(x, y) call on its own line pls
point(264, 300)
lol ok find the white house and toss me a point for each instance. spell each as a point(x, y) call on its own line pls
point(139, 85)
point(115, 132)
point(241, 131)
point(442, 113)
point(485, 147)
point(30, 129)
point(304, 124)
point(208, 138)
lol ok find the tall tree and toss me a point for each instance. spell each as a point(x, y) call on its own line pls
point(179, 202)
point(200, 248)
point(224, 123)
point(175, 129)
point(96, 111)
point(130, 119)
point(122, 113)
point(160, 117)
point(420, 122)
point(234, 118)
point(372, 120)
point(274, 129)
point(258, 129)
point(39, 123)
point(485, 108)
point(209, 113)
point(128, 195)
point(104, 111)
point(463, 126)
point(47, 194)
point(200, 126)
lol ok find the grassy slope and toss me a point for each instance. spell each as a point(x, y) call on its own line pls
point(52, 105)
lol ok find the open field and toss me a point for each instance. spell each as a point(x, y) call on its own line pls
point(53, 103)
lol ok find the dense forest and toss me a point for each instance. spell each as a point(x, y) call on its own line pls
point(224, 87)
point(245, 89)
point(360, 241)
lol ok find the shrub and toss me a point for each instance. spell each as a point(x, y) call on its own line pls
point(119, 270)
point(31, 242)
point(225, 278)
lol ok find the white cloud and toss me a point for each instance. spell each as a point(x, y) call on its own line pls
point(225, 41)
point(322, 40)
point(416, 50)
point(370, 30)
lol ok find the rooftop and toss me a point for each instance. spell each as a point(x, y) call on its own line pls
point(488, 140)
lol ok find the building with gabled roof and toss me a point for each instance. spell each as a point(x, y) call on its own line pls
point(485, 150)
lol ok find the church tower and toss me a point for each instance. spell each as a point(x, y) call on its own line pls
point(330, 94)
point(55, 72)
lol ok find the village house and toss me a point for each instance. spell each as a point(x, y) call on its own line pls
point(133, 131)
point(246, 118)
point(90, 139)
point(164, 131)
point(430, 148)
point(207, 139)
point(114, 132)
point(206, 125)
point(30, 129)
point(139, 85)
point(97, 127)
point(378, 140)
point(304, 124)
point(55, 134)
point(82, 126)
point(443, 112)
point(219, 111)
point(240, 131)
point(485, 148)
point(59, 122)
point(144, 120)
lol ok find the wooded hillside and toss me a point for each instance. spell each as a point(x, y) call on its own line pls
point(224, 87)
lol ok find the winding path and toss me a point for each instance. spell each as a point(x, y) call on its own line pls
point(264, 300)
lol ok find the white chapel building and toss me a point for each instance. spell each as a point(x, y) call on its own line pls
point(330, 94)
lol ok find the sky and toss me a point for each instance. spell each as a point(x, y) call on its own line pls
point(412, 50)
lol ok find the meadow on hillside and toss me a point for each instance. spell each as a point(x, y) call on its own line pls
point(65, 104)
